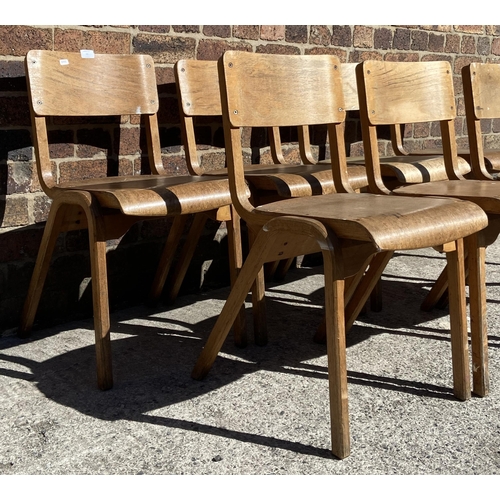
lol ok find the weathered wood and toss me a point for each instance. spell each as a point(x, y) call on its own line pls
point(67, 84)
point(349, 228)
point(392, 93)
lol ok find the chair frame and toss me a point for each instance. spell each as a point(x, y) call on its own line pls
point(287, 228)
point(68, 84)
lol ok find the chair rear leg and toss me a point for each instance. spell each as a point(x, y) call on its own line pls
point(251, 268)
point(478, 315)
point(167, 257)
point(458, 321)
point(258, 301)
point(235, 265)
point(187, 253)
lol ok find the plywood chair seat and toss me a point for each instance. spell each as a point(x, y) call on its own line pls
point(486, 194)
point(390, 223)
point(292, 181)
point(155, 195)
point(351, 230)
point(415, 168)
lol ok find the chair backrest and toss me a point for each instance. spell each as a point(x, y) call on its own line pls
point(393, 93)
point(199, 95)
point(268, 90)
point(88, 84)
point(481, 82)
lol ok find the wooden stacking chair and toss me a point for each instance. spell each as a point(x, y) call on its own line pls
point(350, 229)
point(481, 84)
point(68, 84)
point(480, 81)
point(199, 96)
point(397, 92)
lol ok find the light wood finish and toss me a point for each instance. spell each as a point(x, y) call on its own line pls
point(481, 83)
point(348, 228)
point(393, 93)
point(198, 88)
point(67, 84)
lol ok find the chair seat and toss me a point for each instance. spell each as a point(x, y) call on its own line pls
point(416, 169)
point(491, 156)
point(155, 195)
point(390, 222)
point(486, 194)
point(291, 181)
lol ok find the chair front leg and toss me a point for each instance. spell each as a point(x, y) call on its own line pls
point(49, 238)
point(100, 297)
point(458, 321)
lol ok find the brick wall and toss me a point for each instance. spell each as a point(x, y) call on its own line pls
point(23, 207)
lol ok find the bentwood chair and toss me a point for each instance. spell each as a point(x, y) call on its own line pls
point(481, 84)
point(199, 96)
point(64, 84)
point(416, 92)
point(350, 229)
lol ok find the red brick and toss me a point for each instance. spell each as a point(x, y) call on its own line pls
point(221, 31)
point(164, 49)
point(419, 40)
point(382, 38)
point(155, 29)
point(16, 212)
point(185, 28)
point(342, 36)
point(101, 42)
point(18, 40)
point(402, 56)
point(14, 111)
point(452, 44)
point(272, 32)
point(469, 28)
point(363, 37)
point(211, 50)
point(247, 32)
point(360, 56)
point(468, 45)
point(82, 169)
point(296, 34)
point(320, 35)
point(277, 49)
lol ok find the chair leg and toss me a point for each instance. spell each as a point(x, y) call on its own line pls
point(478, 316)
point(167, 257)
point(258, 301)
point(364, 290)
point(360, 287)
point(100, 296)
point(437, 291)
point(458, 321)
point(336, 353)
point(49, 238)
point(251, 268)
point(187, 253)
point(235, 265)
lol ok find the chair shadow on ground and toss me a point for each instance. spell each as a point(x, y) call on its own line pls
point(153, 360)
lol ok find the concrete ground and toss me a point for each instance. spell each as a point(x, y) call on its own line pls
point(260, 410)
